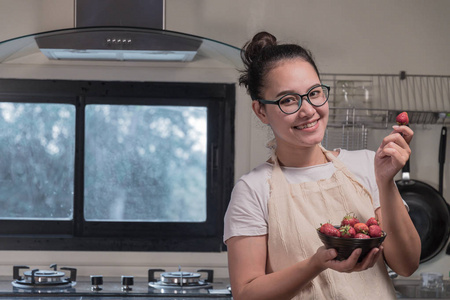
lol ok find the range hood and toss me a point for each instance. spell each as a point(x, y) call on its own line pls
point(118, 43)
point(118, 30)
point(115, 30)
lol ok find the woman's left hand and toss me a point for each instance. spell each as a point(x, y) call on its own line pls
point(393, 153)
point(351, 264)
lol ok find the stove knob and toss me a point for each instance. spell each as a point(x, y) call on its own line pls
point(127, 282)
point(96, 281)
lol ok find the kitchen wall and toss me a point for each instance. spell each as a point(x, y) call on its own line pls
point(346, 36)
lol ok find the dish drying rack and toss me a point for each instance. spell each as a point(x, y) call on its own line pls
point(362, 102)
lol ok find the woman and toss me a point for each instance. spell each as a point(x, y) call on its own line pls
point(270, 225)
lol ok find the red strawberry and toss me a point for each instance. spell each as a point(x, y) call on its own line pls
point(347, 231)
point(361, 228)
point(329, 229)
point(402, 118)
point(333, 232)
point(361, 236)
point(349, 220)
point(324, 226)
point(375, 231)
point(372, 221)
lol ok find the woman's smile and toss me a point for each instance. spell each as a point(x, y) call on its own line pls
point(311, 125)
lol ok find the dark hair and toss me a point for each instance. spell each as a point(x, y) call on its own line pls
point(261, 54)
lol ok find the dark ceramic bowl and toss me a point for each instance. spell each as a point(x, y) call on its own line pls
point(345, 246)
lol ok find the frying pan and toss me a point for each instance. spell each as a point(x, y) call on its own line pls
point(428, 210)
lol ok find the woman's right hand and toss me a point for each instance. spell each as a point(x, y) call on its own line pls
point(393, 153)
point(326, 258)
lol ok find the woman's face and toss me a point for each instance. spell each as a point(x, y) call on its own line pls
point(306, 127)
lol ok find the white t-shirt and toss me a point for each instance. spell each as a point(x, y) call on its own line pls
point(247, 213)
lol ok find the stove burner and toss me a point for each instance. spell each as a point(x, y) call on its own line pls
point(44, 278)
point(179, 280)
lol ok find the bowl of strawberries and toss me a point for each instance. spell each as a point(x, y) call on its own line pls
point(350, 235)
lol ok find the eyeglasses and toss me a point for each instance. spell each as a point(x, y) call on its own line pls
point(291, 103)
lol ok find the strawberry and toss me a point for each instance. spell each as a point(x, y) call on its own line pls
point(347, 231)
point(361, 236)
point(372, 221)
point(349, 220)
point(402, 118)
point(329, 229)
point(375, 231)
point(324, 226)
point(361, 228)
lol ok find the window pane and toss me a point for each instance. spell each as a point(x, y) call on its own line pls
point(145, 163)
point(37, 160)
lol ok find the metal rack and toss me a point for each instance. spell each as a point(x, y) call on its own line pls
point(362, 102)
point(346, 137)
point(370, 99)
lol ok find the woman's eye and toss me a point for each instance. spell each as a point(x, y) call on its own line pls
point(288, 100)
point(315, 93)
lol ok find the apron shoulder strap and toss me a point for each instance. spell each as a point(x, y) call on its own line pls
point(338, 164)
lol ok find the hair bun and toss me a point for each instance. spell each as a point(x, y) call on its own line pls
point(254, 48)
point(261, 54)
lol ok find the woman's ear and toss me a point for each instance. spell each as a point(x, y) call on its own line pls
point(260, 111)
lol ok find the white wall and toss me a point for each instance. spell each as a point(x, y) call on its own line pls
point(346, 36)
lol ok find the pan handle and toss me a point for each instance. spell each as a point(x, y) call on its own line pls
point(405, 171)
point(442, 148)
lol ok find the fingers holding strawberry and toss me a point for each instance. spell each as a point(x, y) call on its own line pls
point(404, 132)
point(393, 152)
point(389, 160)
point(402, 126)
point(401, 131)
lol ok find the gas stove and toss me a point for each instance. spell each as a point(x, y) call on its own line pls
point(63, 283)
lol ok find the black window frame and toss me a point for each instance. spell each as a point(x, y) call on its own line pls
point(80, 234)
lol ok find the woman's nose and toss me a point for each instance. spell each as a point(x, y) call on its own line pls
point(306, 110)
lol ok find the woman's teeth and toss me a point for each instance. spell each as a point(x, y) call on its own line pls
point(309, 125)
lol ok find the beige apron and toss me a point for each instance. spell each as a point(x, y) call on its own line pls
point(296, 210)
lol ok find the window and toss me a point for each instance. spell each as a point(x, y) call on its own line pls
point(37, 152)
point(114, 165)
point(151, 167)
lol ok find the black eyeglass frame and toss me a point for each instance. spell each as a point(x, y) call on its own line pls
point(277, 102)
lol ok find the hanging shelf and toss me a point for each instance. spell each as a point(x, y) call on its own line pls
point(373, 101)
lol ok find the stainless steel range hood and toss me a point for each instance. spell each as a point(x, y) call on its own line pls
point(118, 30)
point(118, 43)
point(112, 32)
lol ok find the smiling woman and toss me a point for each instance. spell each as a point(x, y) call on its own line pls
point(271, 223)
point(114, 166)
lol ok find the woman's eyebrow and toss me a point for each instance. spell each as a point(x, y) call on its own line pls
point(282, 93)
